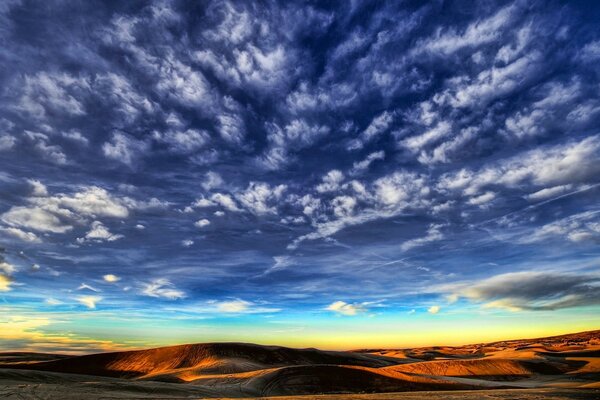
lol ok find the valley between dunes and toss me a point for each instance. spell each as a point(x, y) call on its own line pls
point(560, 367)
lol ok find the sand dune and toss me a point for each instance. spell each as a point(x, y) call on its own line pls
point(248, 370)
point(210, 358)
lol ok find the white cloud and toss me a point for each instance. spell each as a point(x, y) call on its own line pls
point(162, 288)
point(38, 188)
point(232, 128)
point(76, 136)
point(360, 166)
point(331, 181)
point(21, 234)
point(343, 206)
point(110, 278)
point(85, 286)
point(579, 227)
point(124, 148)
point(558, 165)
point(89, 301)
point(386, 197)
point(433, 234)
point(52, 92)
point(550, 192)
point(183, 84)
point(212, 180)
point(183, 141)
point(296, 135)
point(434, 309)
point(53, 153)
point(90, 201)
point(480, 32)
point(416, 143)
point(240, 306)
point(201, 223)
point(378, 125)
point(53, 302)
point(7, 268)
point(483, 199)
point(35, 218)
point(225, 201)
point(234, 306)
point(343, 308)
point(99, 233)
point(7, 142)
point(187, 243)
point(58, 213)
point(258, 198)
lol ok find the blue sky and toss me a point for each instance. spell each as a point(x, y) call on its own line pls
point(274, 172)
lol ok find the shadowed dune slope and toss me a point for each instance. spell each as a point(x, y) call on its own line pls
point(314, 379)
point(212, 358)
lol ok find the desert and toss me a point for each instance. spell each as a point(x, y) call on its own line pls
point(560, 367)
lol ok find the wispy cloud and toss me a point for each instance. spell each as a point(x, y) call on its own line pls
point(162, 288)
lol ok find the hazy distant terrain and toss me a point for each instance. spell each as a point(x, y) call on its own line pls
point(561, 367)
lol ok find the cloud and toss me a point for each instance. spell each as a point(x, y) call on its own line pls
point(35, 332)
point(89, 301)
point(343, 308)
point(38, 188)
point(234, 306)
point(434, 234)
point(162, 288)
point(550, 192)
point(35, 218)
point(201, 223)
point(573, 161)
point(239, 306)
point(5, 283)
point(187, 243)
point(378, 125)
point(7, 267)
point(434, 309)
point(53, 302)
point(85, 286)
point(99, 233)
point(124, 148)
point(50, 152)
point(21, 234)
point(7, 142)
point(180, 141)
point(482, 200)
point(212, 180)
point(110, 278)
point(531, 290)
point(579, 227)
point(360, 166)
point(477, 33)
point(259, 197)
point(416, 143)
point(331, 181)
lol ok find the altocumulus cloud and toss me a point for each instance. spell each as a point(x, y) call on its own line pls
point(310, 148)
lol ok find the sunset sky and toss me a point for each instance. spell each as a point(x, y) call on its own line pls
point(313, 174)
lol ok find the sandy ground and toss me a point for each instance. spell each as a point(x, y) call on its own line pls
point(562, 367)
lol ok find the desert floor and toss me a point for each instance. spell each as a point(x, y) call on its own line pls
point(561, 367)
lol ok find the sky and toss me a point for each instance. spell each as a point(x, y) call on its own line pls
point(340, 175)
